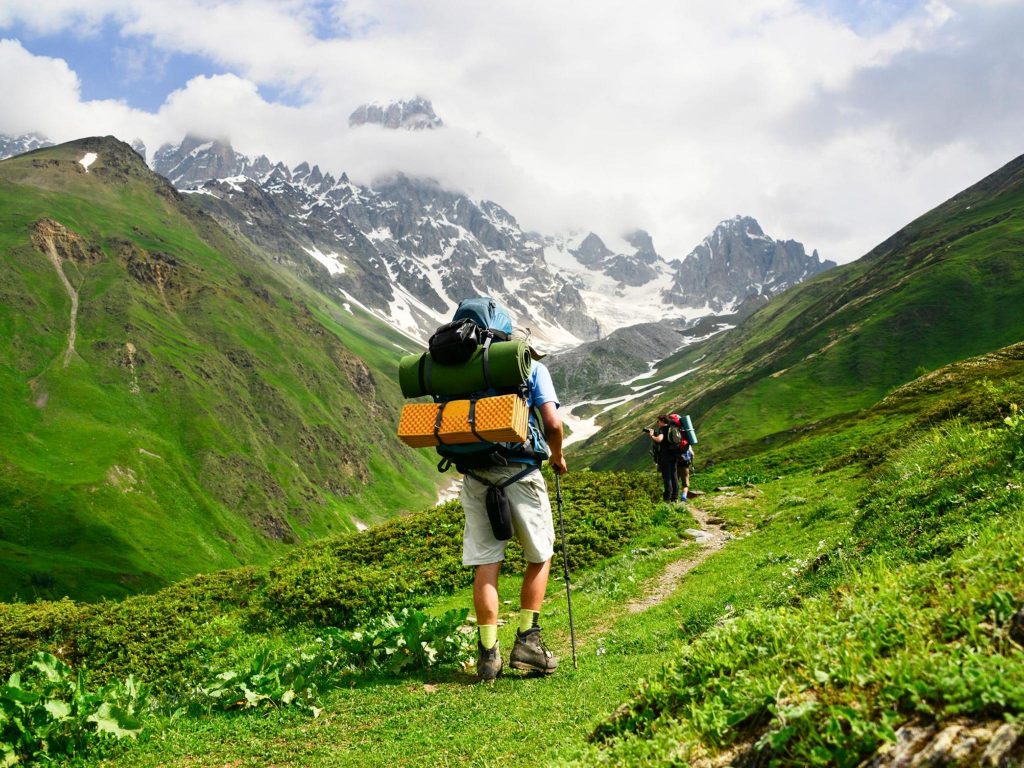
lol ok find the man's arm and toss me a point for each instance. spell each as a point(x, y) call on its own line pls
point(553, 434)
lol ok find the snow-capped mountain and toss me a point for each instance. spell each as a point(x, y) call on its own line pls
point(412, 115)
point(19, 145)
point(197, 160)
point(622, 288)
point(408, 250)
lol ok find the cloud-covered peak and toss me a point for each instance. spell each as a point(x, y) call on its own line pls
point(412, 115)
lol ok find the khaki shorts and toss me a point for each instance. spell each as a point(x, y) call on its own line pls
point(684, 475)
point(532, 525)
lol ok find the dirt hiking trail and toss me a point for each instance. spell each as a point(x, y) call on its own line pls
point(710, 536)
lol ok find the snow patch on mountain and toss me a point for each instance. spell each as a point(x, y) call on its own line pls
point(329, 260)
point(612, 301)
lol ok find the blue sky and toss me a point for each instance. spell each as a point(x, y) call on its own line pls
point(831, 122)
point(867, 16)
point(112, 66)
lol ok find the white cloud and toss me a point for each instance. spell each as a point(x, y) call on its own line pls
point(42, 95)
point(657, 114)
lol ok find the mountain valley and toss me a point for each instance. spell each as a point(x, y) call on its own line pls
point(200, 428)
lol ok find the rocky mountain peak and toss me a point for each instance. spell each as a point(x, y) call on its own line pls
point(741, 225)
point(592, 251)
point(636, 268)
point(738, 261)
point(140, 148)
point(197, 159)
point(412, 115)
point(644, 245)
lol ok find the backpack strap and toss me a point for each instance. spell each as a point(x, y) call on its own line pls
point(420, 371)
point(505, 483)
point(437, 424)
point(487, 361)
point(427, 373)
point(471, 420)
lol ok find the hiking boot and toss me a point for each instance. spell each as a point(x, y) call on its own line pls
point(488, 661)
point(529, 653)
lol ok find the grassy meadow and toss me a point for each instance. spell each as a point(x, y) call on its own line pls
point(861, 457)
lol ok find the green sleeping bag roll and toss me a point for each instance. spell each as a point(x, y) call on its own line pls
point(691, 433)
point(508, 364)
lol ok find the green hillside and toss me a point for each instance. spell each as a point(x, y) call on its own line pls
point(946, 287)
point(868, 580)
point(211, 413)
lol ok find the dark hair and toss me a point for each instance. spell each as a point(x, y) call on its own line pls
point(664, 418)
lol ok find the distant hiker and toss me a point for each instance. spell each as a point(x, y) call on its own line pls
point(687, 439)
point(667, 437)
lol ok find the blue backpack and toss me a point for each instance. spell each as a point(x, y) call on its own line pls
point(479, 321)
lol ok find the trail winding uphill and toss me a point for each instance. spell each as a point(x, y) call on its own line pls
point(711, 536)
point(60, 243)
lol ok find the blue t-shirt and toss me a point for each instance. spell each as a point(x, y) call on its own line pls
point(542, 389)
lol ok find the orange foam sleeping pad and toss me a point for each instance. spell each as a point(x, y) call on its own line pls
point(500, 419)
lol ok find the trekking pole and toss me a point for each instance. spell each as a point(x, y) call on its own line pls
point(565, 565)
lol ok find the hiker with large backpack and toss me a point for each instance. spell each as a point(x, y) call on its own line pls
point(667, 437)
point(504, 494)
point(687, 439)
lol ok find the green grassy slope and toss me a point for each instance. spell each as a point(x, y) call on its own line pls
point(213, 412)
point(871, 582)
point(946, 287)
point(909, 612)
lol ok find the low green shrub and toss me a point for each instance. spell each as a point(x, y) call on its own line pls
point(172, 637)
point(407, 562)
point(27, 627)
point(348, 579)
point(162, 638)
point(275, 676)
